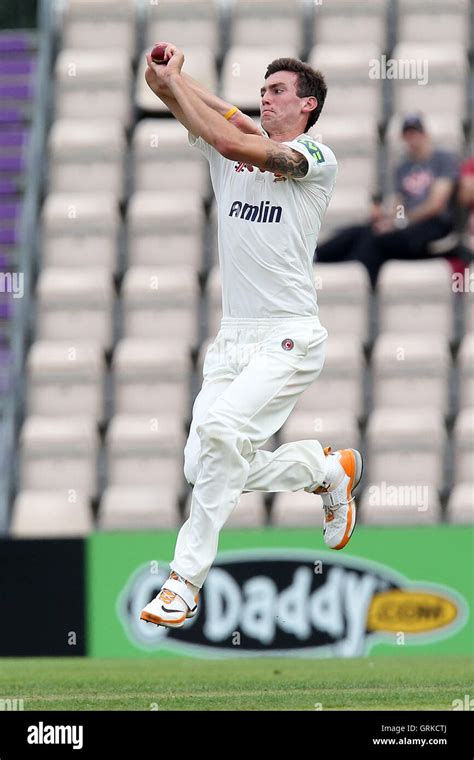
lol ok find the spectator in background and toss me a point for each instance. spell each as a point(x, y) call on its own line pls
point(466, 198)
point(423, 209)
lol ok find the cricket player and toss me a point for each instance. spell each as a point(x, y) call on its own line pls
point(272, 188)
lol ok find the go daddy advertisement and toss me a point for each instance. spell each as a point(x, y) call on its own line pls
point(281, 592)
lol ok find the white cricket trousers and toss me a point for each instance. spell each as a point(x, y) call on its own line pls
point(254, 372)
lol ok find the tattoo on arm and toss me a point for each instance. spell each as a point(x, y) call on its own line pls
point(290, 163)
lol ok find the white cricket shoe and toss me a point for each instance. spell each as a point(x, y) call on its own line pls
point(173, 605)
point(338, 501)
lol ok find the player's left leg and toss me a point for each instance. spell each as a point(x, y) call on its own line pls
point(286, 469)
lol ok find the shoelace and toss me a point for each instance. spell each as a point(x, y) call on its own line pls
point(333, 508)
point(330, 508)
point(167, 596)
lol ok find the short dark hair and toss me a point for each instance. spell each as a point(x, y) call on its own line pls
point(310, 82)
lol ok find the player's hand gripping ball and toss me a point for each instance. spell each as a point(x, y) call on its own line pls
point(158, 54)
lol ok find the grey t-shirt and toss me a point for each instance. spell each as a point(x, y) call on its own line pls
point(414, 179)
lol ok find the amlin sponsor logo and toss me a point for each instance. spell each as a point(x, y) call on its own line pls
point(295, 602)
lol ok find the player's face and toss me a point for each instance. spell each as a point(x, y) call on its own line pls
point(280, 106)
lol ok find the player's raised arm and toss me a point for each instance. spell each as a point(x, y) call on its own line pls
point(267, 154)
point(205, 122)
point(159, 86)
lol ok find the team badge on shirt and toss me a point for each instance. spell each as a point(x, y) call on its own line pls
point(240, 166)
point(287, 344)
point(312, 148)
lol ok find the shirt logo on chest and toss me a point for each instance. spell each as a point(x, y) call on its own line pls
point(240, 166)
point(261, 213)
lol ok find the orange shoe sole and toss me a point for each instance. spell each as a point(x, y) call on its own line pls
point(150, 618)
point(353, 465)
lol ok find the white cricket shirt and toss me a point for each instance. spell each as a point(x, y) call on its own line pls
point(267, 231)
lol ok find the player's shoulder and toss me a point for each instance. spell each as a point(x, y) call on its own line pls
point(317, 150)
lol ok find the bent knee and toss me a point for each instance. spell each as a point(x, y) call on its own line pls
point(217, 435)
point(191, 459)
point(213, 432)
point(190, 470)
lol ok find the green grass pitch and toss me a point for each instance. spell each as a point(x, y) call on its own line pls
point(379, 683)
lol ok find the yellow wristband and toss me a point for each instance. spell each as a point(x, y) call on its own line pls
point(230, 113)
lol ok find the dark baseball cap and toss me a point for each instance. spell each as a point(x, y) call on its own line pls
point(413, 121)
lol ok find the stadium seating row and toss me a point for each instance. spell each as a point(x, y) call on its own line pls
point(407, 446)
point(162, 277)
point(93, 154)
point(113, 23)
point(56, 513)
point(93, 82)
point(75, 369)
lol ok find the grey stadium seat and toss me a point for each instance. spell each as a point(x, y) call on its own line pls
point(138, 508)
point(350, 22)
point(261, 23)
point(433, 22)
point(51, 514)
point(145, 450)
point(344, 63)
point(468, 298)
point(466, 371)
point(87, 157)
point(337, 429)
point(443, 79)
point(59, 453)
point(65, 379)
point(460, 507)
point(297, 509)
point(93, 82)
point(183, 22)
point(164, 160)
point(343, 291)
point(99, 24)
point(151, 376)
point(339, 386)
point(80, 230)
point(165, 229)
point(160, 302)
point(416, 296)
point(406, 446)
point(411, 371)
point(75, 305)
point(360, 140)
point(464, 445)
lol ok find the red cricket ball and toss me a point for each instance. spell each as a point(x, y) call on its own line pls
point(158, 54)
